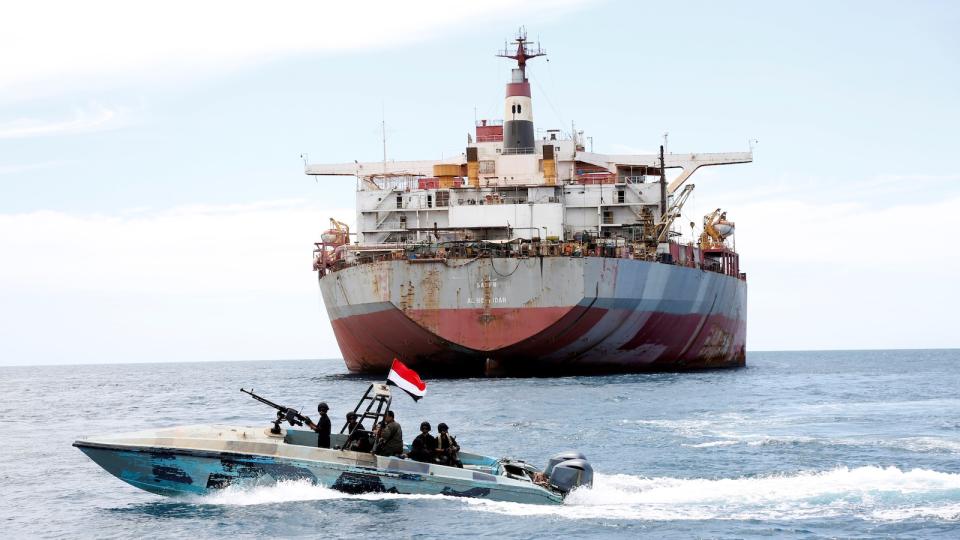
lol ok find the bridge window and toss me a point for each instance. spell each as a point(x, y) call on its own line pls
point(488, 166)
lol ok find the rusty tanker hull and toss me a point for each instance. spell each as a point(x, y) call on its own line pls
point(530, 254)
point(540, 316)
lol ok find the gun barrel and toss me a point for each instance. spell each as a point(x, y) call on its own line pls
point(291, 416)
point(264, 400)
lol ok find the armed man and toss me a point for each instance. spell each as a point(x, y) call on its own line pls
point(322, 427)
point(390, 439)
point(448, 451)
point(357, 436)
point(424, 447)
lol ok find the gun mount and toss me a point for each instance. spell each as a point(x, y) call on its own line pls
point(284, 414)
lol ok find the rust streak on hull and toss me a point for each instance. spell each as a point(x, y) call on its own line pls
point(607, 315)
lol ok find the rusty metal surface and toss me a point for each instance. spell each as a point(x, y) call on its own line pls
point(564, 313)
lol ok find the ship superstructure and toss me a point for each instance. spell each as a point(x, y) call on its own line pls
point(529, 254)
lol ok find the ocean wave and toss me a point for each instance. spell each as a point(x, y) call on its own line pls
point(732, 429)
point(912, 444)
point(944, 512)
point(767, 440)
point(926, 444)
point(711, 444)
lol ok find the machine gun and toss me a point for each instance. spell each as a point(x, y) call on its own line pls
point(284, 414)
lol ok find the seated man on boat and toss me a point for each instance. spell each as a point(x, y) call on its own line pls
point(375, 434)
point(448, 451)
point(358, 439)
point(390, 438)
point(424, 447)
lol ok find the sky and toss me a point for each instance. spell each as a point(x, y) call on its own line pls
point(153, 205)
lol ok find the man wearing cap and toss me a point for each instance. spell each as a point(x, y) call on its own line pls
point(390, 438)
point(448, 451)
point(357, 437)
point(424, 447)
point(322, 427)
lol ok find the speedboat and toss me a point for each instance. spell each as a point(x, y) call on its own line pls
point(200, 459)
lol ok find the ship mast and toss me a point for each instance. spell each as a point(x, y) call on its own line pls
point(524, 52)
point(518, 134)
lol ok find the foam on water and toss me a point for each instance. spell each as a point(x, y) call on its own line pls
point(293, 491)
point(711, 444)
point(946, 512)
point(870, 493)
point(866, 492)
point(733, 429)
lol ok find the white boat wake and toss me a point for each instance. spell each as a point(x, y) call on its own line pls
point(296, 490)
point(868, 493)
point(872, 493)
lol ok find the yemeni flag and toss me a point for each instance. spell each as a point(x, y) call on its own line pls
point(407, 380)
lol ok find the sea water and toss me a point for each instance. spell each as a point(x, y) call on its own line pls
point(804, 445)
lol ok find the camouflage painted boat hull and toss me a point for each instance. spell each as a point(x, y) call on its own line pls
point(536, 316)
point(197, 460)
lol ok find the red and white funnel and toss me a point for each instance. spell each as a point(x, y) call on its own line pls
point(518, 112)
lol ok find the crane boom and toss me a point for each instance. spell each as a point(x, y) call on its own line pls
point(673, 213)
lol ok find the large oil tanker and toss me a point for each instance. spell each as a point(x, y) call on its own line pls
point(529, 255)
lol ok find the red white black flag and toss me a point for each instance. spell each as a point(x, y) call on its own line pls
point(407, 380)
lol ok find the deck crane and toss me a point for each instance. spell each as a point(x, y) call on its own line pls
point(716, 229)
point(672, 213)
point(341, 230)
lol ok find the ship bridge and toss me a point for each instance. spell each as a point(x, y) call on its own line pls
point(510, 183)
point(556, 191)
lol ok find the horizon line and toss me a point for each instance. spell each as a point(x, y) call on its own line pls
point(162, 362)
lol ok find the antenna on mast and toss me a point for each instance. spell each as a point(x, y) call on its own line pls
point(524, 51)
point(383, 134)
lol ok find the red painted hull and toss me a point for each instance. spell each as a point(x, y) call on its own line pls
point(666, 343)
point(697, 322)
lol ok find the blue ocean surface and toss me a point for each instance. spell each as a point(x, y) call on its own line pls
point(857, 444)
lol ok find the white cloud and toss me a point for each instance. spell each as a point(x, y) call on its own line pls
point(848, 233)
point(50, 42)
point(618, 148)
point(201, 249)
point(874, 191)
point(17, 169)
point(195, 282)
point(842, 275)
point(84, 120)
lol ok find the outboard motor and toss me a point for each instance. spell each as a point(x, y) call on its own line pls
point(562, 456)
point(569, 470)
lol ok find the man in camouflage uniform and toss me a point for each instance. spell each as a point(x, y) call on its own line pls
point(390, 441)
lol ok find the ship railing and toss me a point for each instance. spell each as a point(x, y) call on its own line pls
point(519, 248)
point(518, 151)
point(596, 178)
point(401, 183)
